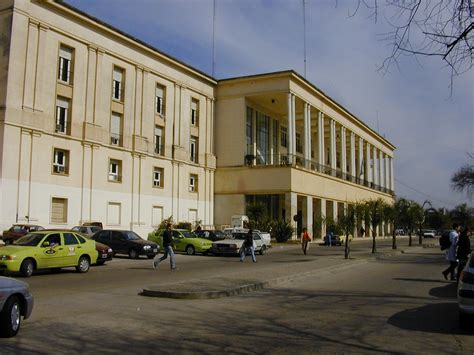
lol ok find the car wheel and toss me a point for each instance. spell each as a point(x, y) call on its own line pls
point(133, 254)
point(10, 317)
point(27, 267)
point(190, 250)
point(464, 320)
point(83, 265)
point(262, 249)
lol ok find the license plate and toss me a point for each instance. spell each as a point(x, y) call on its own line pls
point(155, 250)
point(104, 256)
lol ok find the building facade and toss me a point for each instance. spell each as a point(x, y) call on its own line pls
point(282, 142)
point(98, 126)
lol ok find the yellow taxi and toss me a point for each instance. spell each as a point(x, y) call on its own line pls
point(48, 249)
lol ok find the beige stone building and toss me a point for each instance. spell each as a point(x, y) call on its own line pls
point(282, 142)
point(97, 125)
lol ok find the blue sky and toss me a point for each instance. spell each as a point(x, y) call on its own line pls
point(413, 107)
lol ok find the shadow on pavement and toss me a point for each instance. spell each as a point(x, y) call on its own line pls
point(418, 280)
point(439, 318)
point(446, 291)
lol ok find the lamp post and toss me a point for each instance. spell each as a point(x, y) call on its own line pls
point(420, 239)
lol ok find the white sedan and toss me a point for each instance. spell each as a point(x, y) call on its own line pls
point(233, 245)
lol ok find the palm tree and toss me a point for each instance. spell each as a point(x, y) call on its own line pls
point(392, 214)
point(374, 215)
point(360, 213)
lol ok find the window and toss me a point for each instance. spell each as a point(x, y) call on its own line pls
point(116, 129)
point(115, 170)
point(194, 112)
point(61, 161)
point(117, 84)
point(159, 147)
point(249, 129)
point(65, 64)
point(69, 239)
point(283, 135)
point(160, 99)
point(62, 115)
point(263, 137)
point(193, 183)
point(193, 147)
point(59, 210)
point(157, 177)
point(299, 147)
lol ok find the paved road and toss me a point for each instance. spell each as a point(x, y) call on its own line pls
point(396, 304)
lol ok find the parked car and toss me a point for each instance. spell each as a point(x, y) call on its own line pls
point(184, 241)
point(234, 244)
point(466, 294)
point(337, 239)
point(17, 231)
point(428, 233)
point(87, 230)
point(266, 237)
point(400, 231)
point(127, 242)
point(48, 249)
point(16, 302)
point(212, 235)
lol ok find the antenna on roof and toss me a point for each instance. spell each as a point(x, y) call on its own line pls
point(213, 38)
point(304, 35)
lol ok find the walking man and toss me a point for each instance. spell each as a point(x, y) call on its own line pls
point(305, 239)
point(168, 249)
point(451, 253)
point(248, 246)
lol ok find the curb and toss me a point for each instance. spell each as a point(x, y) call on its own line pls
point(164, 291)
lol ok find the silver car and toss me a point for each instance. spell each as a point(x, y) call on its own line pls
point(466, 294)
point(15, 301)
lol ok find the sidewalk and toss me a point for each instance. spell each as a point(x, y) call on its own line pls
point(248, 276)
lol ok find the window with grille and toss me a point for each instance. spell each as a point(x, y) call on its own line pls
point(59, 210)
point(116, 129)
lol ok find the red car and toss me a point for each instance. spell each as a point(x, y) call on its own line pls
point(17, 231)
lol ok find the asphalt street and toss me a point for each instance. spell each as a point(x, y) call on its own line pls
point(396, 303)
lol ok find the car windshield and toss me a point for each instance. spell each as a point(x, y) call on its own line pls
point(29, 240)
point(188, 234)
point(95, 229)
point(131, 236)
point(219, 234)
point(240, 236)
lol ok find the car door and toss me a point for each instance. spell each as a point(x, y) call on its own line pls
point(52, 251)
point(72, 248)
point(258, 241)
point(178, 241)
point(119, 242)
point(104, 238)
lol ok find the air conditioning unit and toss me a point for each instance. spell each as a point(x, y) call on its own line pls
point(114, 140)
point(59, 169)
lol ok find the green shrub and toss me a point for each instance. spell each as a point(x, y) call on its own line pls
point(183, 225)
point(165, 222)
point(282, 231)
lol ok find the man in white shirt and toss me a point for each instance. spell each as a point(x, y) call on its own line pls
point(451, 253)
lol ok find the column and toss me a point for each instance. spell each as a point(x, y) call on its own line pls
point(375, 167)
point(323, 216)
point(308, 214)
point(98, 90)
point(293, 128)
point(40, 68)
point(392, 183)
point(333, 144)
point(387, 181)
point(353, 155)
point(381, 170)
point(307, 135)
point(290, 128)
point(291, 207)
point(91, 68)
point(343, 152)
point(368, 171)
point(30, 67)
point(361, 168)
point(321, 138)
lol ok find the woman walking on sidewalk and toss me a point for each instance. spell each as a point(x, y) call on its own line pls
point(305, 239)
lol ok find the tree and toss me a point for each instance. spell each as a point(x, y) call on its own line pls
point(393, 214)
point(435, 28)
point(374, 215)
point(463, 179)
point(360, 214)
point(412, 215)
point(347, 223)
point(462, 214)
point(438, 219)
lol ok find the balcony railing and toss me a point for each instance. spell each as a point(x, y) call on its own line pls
point(299, 162)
